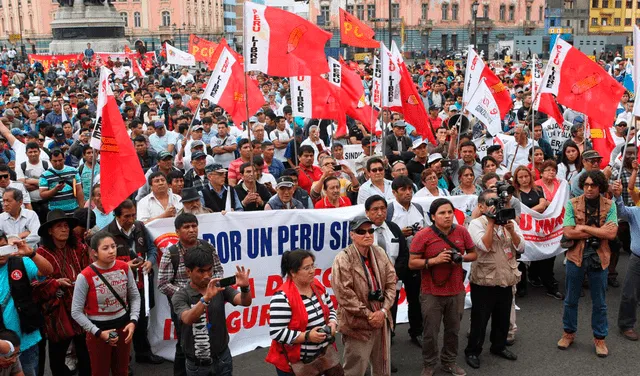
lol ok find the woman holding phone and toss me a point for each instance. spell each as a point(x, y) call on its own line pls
point(106, 303)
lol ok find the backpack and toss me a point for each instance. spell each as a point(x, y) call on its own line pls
point(23, 166)
point(31, 318)
point(174, 255)
point(391, 209)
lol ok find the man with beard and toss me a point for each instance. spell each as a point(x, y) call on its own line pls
point(191, 203)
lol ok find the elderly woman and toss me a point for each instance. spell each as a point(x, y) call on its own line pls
point(430, 182)
point(69, 256)
point(548, 180)
point(300, 309)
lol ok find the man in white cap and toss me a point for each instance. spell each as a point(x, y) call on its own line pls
point(418, 163)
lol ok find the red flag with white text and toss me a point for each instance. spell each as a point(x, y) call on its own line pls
point(356, 33)
point(314, 97)
point(280, 43)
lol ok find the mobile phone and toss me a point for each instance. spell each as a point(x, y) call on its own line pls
point(337, 167)
point(224, 282)
point(445, 163)
point(9, 250)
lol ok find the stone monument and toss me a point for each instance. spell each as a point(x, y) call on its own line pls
point(87, 21)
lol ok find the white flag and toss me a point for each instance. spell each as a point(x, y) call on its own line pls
point(179, 57)
point(104, 90)
point(636, 69)
point(483, 106)
point(227, 205)
point(376, 84)
point(472, 75)
point(335, 72)
point(391, 75)
point(301, 99)
point(220, 77)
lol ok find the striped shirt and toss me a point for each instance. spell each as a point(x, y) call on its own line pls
point(280, 317)
point(64, 199)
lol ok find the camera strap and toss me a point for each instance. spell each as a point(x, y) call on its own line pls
point(110, 287)
point(451, 266)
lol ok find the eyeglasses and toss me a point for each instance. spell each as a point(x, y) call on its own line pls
point(379, 169)
point(590, 185)
point(4, 177)
point(309, 267)
point(363, 231)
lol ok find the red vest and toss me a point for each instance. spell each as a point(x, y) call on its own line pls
point(100, 301)
point(299, 321)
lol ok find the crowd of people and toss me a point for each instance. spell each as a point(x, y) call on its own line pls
point(77, 273)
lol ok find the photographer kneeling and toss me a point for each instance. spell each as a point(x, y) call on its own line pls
point(439, 251)
point(497, 238)
point(590, 222)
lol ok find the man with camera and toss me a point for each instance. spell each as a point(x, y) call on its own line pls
point(497, 238)
point(590, 222)
point(438, 252)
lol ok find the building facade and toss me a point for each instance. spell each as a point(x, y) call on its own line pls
point(575, 15)
point(444, 25)
point(613, 16)
point(149, 21)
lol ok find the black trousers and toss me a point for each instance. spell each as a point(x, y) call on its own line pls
point(543, 269)
point(522, 285)
point(179, 362)
point(412, 288)
point(58, 355)
point(489, 302)
point(141, 344)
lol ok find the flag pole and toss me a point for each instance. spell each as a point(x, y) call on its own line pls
point(624, 149)
point(93, 171)
point(371, 99)
point(246, 89)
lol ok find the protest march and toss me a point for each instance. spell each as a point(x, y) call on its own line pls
point(326, 200)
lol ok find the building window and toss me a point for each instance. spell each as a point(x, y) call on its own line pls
point(541, 13)
point(125, 18)
point(445, 12)
point(136, 20)
point(603, 22)
point(512, 12)
point(444, 40)
point(605, 3)
point(594, 22)
point(350, 9)
point(454, 42)
point(528, 14)
point(485, 38)
point(395, 11)
point(425, 11)
point(454, 15)
point(552, 22)
point(629, 4)
point(485, 11)
point(371, 11)
point(360, 12)
point(166, 18)
point(568, 23)
point(594, 3)
point(616, 22)
point(582, 25)
point(638, 21)
point(618, 4)
point(324, 12)
point(627, 22)
point(503, 10)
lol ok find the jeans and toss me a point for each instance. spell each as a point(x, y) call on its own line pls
point(29, 360)
point(630, 295)
point(222, 366)
point(597, 287)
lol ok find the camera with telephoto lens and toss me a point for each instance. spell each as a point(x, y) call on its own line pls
point(502, 214)
point(456, 257)
point(376, 295)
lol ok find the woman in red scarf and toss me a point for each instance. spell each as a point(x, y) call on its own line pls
point(69, 256)
point(299, 311)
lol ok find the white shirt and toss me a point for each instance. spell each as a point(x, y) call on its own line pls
point(150, 207)
point(228, 157)
point(27, 221)
point(268, 178)
point(407, 218)
point(521, 158)
point(282, 136)
point(392, 248)
point(424, 192)
point(31, 172)
point(368, 189)
point(26, 198)
point(184, 79)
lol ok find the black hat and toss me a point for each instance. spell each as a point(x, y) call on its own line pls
point(189, 194)
point(358, 221)
point(54, 217)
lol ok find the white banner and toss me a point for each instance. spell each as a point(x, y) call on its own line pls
point(483, 106)
point(391, 73)
point(352, 152)
point(257, 239)
point(220, 76)
point(179, 57)
point(472, 74)
point(301, 99)
point(376, 84)
point(557, 134)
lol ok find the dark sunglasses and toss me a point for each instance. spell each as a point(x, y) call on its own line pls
point(4, 177)
point(363, 231)
point(379, 169)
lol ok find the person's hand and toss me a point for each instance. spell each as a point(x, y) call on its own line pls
point(376, 319)
point(443, 257)
point(242, 276)
point(23, 248)
point(147, 267)
point(634, 165)
point(491, 210)
point(170, 212)
point(213, 289)
point(407, 231)
point(105, 337)
point(616, 188)
point(510, 227)
point(129, 329)
point(316, 335)
point(334, 327)
point(59, 186)
point(135, 263)
point(65, 282)
point(347, 170)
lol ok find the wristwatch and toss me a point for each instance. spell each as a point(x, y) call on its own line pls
point(205, 303)
point(33, 254)
point(426, 264)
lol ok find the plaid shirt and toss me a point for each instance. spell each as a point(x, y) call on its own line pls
point(169, 285)
point(624, 178)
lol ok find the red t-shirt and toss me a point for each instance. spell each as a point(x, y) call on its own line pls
point(448, 277)
point(324, 203)
point(307, 176)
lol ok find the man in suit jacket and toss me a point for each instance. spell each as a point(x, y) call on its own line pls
point(398, 145)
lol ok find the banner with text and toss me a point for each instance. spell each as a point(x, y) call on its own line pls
point(48, 61)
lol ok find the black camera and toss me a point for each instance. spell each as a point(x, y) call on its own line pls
point(376, 295)
point(592, 243)
point(502, 214)
point(456, 257)
point(327, 330)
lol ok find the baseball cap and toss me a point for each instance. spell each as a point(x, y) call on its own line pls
point(158, 124)
point(32, 134)
point(621, 121)
point(453, 107)
point(253, 119)
point(285, 181)
point(197, 128)
point(578, 120)
point(399, 123)
point(127, 98)
point(431, 108)
point(20, 132)
point(358, 221)
point(196, 143)
point(417, 143)
point(214, 167)
point(58, 132)
point(366, 141)
point(164, 155)
point(434, 158)
point(198, 155)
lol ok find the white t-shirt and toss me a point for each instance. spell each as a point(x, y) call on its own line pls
point(283, 136)
point(31, 172)
point(226, 158)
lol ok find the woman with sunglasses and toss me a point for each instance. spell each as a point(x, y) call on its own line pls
point(300, 311)
point(430, 183)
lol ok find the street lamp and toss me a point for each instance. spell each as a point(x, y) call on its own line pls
point(179, 30)
point(474, 8)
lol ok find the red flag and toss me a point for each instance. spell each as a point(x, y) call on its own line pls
point(314, 97)
point(201, 48)
point(354, 32)
point(412, 107)
point(582, 85)
point(499, 91)
point(216, 54)
point(602, 141)
point(120, 170)
point(353, 100)
point(226, 87)
point(547, 104)
point(283, 44)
